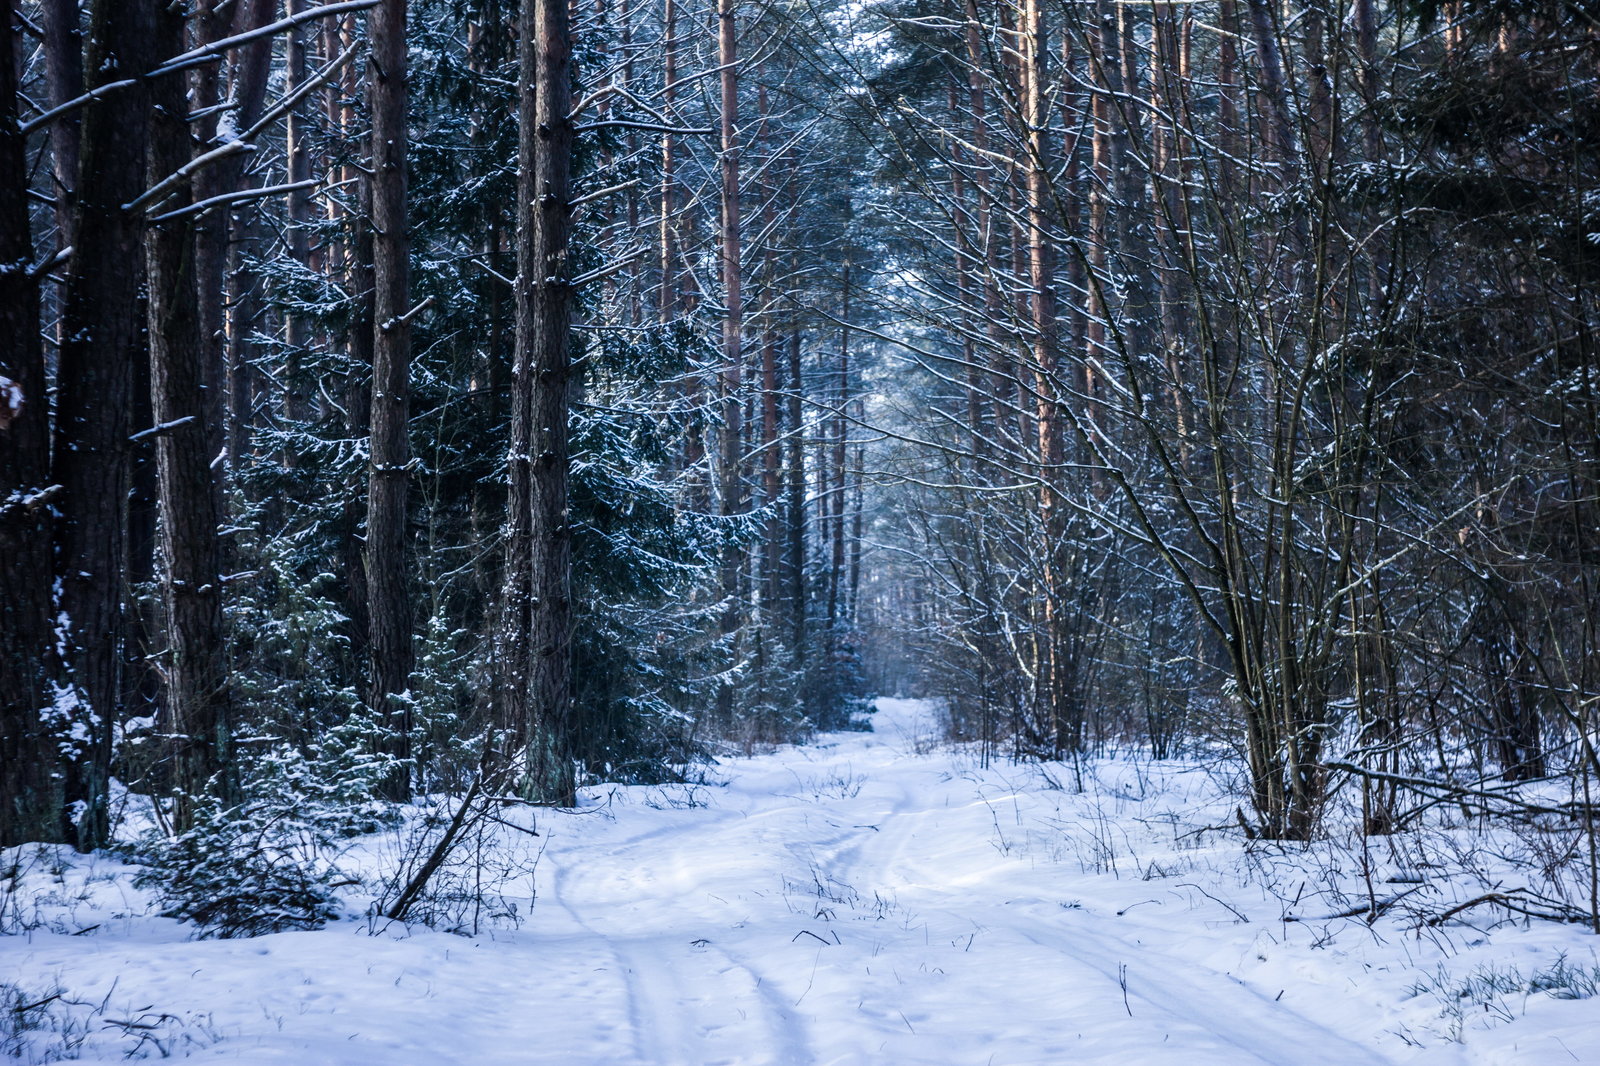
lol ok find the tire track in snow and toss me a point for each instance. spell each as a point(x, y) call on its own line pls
point(735, 997)
point(1205, 999)
point(690, 1002)
point(1193, 997)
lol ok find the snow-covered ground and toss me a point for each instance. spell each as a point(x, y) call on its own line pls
point(868, 898)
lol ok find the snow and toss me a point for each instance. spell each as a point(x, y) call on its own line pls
point(869, 898)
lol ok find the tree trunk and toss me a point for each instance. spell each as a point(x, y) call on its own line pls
point(32, 803)
point(220, 267)
point(795, 508)
point(667, 294)
point(1042, 307)
point(389, 638)
point(969, 271)
point(198, 704)
point(63, 58)
point(358, 408)
point(211, 230)
point(533, 660)
point(730, 474)
point(102, 338)
point(771, 344)
point(840, 436)
point(387, 86)
point(1002, 387)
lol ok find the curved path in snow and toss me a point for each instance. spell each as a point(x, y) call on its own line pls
point(868, 898)
point(856, 901)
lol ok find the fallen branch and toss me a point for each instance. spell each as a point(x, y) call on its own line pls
point(1221, 903)
point(441, 851)
point(1372, 909)
point(1515, 901)
point(1453, 792)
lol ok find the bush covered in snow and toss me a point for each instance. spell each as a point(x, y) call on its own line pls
point(265, 865)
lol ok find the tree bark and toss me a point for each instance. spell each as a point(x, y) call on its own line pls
point(357, 240)
point(1002, 391)
point(795, 508)
point(219, 264)
point(102, 338)
point(1053, 683)
point(840, 435)
point(63, 58)
point(771, 344)
point(731, 480)
point(667, 294)
point(533, 660)
point(388, 91)
point(198, 704)
point(389, 637)
point(32, 802)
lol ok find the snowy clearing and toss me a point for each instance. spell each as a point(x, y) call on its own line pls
point(869, 898)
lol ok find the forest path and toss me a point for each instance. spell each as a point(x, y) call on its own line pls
point(868, 898)
point(855, 901)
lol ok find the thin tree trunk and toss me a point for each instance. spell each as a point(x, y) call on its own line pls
point(771, 344)
point(1169, 78)
point(210, 231)
point(1229, 105)
point(222, 270)
point(667, 295)
point(795, 511)
point(635, 278)
point(1002, 386)
point(1099, 228)
point(858, 513)
point(388, 91)
point(771, 463)
point(1041, 274)
point(836, 482)
point(358, 383)
point(730, 474)
point(1129, 165)
point(968, 268)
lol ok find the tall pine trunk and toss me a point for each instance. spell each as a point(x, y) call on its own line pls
point(102, 339)
point(389, 638)
point(31, 797)
point(533, 684)
point(63, 58)
point(198, 704)
point(731, 481)
point(1053, 683)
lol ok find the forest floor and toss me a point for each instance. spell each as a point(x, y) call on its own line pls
point(870, 897)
